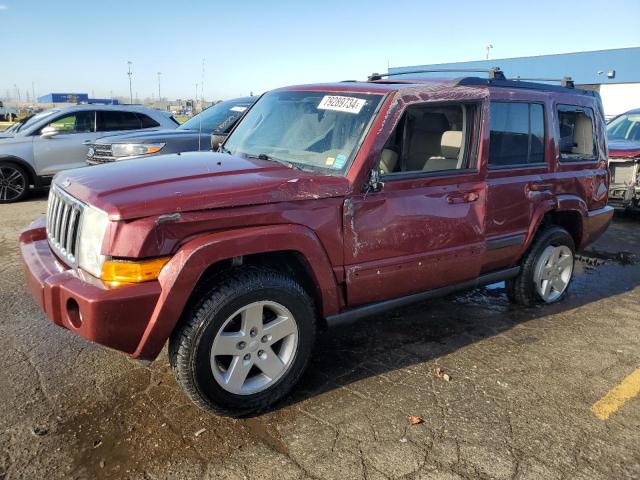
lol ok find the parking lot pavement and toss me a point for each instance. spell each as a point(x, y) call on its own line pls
point(521, 403)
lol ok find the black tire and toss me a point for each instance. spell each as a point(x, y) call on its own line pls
point(12, 177)
point(190, 343)
point(522, 289)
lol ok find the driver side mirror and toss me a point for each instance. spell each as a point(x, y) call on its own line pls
point(374, 184)
point(216, 141)
point(49, 132)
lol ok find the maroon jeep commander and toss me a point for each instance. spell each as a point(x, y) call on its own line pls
point(327, 203)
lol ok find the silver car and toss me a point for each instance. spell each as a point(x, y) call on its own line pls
point(56, 139)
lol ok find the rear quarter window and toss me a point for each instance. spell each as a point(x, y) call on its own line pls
point(148, 122)
point(576, 139)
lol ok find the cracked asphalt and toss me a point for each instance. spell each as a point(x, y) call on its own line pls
point(517, 405)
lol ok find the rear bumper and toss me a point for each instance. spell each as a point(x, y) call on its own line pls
point(115, 317)
point(594, 224)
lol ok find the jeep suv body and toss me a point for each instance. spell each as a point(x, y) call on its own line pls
point(326, 203)
point(623, 133)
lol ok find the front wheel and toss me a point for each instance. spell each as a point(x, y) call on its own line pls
point(546, 269)
point(14, 183)
point(245, 343)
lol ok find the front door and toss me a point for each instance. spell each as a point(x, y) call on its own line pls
point(66, 149)
point(424, 228)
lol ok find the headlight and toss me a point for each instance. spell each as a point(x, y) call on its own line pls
point(92, 231)
point(135, 149)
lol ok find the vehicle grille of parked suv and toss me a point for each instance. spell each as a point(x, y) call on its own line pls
point(63, 224)
point(623, 173)
point(101, 154)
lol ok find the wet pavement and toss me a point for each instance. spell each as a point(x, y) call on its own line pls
point(517, 406)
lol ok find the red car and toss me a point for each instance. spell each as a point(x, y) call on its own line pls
point(327, 203)
point(623, 133)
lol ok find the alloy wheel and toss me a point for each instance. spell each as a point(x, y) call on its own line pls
point(12, 183)
point(254, 348)
point(553, 272)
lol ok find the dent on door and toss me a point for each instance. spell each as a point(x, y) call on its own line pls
point(407, 241)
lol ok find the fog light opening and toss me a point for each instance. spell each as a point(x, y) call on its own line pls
point(73, 313)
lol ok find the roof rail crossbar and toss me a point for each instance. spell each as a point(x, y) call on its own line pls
point(564, 81)
point(493, 73)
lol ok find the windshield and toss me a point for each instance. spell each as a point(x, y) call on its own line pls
point(311, 130)
point(625, 127)
point(219, 118)
point(33, 119)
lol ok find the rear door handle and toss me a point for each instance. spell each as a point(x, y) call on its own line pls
point(540, 187)
point(467, 197)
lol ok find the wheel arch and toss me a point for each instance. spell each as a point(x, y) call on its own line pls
point(288, 248)
point(566, 211)
point(33, 177)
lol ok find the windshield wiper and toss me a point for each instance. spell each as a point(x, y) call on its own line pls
point(264, 156)
point(224, 150)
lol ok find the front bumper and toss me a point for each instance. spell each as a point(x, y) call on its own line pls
point(624, 197)
point(115, 317)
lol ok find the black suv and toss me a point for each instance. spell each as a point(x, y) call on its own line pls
point(193, 135)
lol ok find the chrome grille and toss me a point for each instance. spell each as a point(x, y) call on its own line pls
point(101, 154)
point(63, 224)
point(623, 173)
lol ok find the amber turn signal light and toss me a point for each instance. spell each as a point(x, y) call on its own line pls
point(125, 271)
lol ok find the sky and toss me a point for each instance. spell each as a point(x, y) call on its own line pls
point(253, 46)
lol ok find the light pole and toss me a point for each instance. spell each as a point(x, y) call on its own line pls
point(159, 96)
point(130, 88)
point(488, 49)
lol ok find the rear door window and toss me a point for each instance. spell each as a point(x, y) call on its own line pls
point(577, 136)
point(110, 121)
point(517, 134)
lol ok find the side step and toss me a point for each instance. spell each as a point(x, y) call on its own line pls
point(376, 308)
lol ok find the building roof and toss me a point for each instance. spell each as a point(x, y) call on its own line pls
point(582, 67)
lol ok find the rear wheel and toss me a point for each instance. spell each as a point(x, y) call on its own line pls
point(245, 343)
point(14, 182)
point(546, 269)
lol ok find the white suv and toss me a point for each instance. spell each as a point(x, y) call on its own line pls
point(56, 139)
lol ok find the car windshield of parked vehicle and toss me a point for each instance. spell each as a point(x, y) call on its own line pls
point(625, 127)
point(218, 118)
point(319, 131)
point(33, 119)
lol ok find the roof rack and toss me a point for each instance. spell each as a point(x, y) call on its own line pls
point(493, 73)
point(566, 82)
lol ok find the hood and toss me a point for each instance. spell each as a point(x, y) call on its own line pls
point(192, 181)
point(147, 136)
point(4, 135)
point(624, 149)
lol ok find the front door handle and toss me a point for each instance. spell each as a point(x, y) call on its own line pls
point(468, 197)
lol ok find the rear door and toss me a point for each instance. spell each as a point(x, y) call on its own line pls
point(424, 228)
point(67, 149)
point(518, 175)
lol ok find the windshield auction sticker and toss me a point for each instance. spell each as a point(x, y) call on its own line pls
point(342, 104)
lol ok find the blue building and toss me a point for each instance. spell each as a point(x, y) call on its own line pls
point(74, 98)
point(615, 73)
